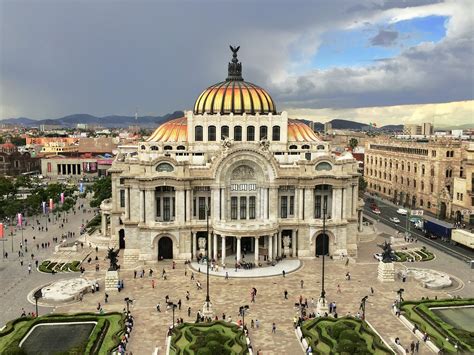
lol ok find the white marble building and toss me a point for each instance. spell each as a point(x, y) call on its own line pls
point(265, 178)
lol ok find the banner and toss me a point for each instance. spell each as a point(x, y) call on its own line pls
point(62, 197)
point(51, 205)
point(1, 230)
point(43, 204)
point(19, 219)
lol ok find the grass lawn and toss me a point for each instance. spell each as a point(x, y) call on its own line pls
point(438, 330)
point(104, 338)
point(342, 336)
point(208, 338)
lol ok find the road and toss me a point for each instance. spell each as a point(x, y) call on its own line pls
point(388, 210)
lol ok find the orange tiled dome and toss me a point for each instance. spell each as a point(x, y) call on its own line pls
point(300, 132)
point(172, 131)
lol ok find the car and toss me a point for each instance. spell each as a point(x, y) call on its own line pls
point(414, 219)
point(402, 211)
point(394, 220)
point(376, 210)
point(378, 256)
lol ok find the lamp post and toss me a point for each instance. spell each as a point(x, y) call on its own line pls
point(322, 306)
point(400, 295)
point(362, 306)
point(207, 308)
point(37, 295)
point(173, 306)
point(242, 310)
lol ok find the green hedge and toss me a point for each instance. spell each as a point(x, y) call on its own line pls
point(342, 335)
point(48, 266)
point(419, 312)
point(15, 330)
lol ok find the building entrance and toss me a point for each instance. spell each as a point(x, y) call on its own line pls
point(322, 244)
point(165, 248)
point(122, 239)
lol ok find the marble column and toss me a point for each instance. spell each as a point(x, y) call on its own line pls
point(279, 244)
point(300, 200)
point(179, 200)
point(270, 247)
point(188, 205)
point(273, 198)
point(223, 249)
point(355, 199)
point(215, 246)
point(209, 245)
point(265, 203)
point(104, 224)
point(293, 242)
point(256, 250)
point(238, 249)
point(194, 245)
point(150, 201)
point(142, 206)
point(275, 245)
point(127, 203)
point(361, 219)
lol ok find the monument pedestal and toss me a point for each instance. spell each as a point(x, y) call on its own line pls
point(322, 306)
point(111, 280)
point(386, 272)
point(207, 310)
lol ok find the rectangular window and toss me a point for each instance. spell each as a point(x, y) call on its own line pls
point(122, 198)
point(233, 207)
point(317, 208)
point(173, 209)
point(252, 207)
point(194, 207)
point(209, 205)
point(202, 208)
point(166, 209)
point(284, 207)
point(292, 206)
point(243, 207)
point(158, 207)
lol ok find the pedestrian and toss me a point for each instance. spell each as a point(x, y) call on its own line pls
point(302, 283)
point(274, 328)
point(158, 307)
point(226, 275)
point(371, 290)
point(284, 273)
point(189, 311)
point(106, 297)
point(187, 295)
point(417, 346)
point(135, 274)
point(153, 283)
point(285, 294)
point(257, 323)
point(412, 347)
point(338, 288)
point(252, 324)
point(29, 268)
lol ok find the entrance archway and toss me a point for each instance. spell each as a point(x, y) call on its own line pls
point(442, 210)
point(322, 244)
point(165, 248)
point(122, 239)
point(458, 216)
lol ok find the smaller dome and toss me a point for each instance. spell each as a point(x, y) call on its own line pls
point(172, 131)
point(300, 132)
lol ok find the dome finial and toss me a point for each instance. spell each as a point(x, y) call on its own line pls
point(234, 68)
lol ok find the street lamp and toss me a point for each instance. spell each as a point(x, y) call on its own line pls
point(362, 306)
point(242, 310)
point(128, 301)
point(37, 295)
point(173, 306)
point(322, 304)
point(207, 308)
point(400, 295)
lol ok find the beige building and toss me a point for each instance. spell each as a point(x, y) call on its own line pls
point(266, 181)
point(414, 174)
point(463, 195)
point(425, 129)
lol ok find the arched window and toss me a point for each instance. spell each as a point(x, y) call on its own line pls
point(211, 133)
point(307, 156)
point(447, 172)
point(447, 154)
point(324, 166)
point(168, 147)
point(422, 170)
point(143, 147)
point(224, 132)
point(461, 172)
point(238, 133)
point(429, 204)
point(415, 167)
point(408, 166)
point(154, 147)
point(250, 133)
point(422, 186)
point(293, 146)
point(164, 167)
point(181, 147)
point(320, 147)
point(305, 146)
point(263, 132)
point(403, 166)
point(276, 133)
point(390, 164)
point(421, 203)
point(432, 171)
point(198, 134)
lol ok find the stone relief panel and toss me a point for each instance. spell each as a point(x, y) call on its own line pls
point(243, 172)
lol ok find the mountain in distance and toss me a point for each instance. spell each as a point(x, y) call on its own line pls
point(352, 126)
point(113, 121)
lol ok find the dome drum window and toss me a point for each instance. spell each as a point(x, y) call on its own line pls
point(164, 168)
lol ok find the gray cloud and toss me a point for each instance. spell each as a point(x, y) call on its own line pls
point(108, 57)
point(384, 38)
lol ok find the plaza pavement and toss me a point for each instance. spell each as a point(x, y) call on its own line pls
point(227, 295)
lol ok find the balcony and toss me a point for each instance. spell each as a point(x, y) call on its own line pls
point(245, 227)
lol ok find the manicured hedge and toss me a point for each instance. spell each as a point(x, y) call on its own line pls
point(15, 331)
point(48, 266)
point(419, 312)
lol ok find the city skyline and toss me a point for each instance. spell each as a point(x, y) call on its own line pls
point(374, 62)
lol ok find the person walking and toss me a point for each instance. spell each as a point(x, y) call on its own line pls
point(302, 283)
point(284, 273)
point(189, 311)
point(152, 283)
point(417, 346)
point(285, 294)
point(274, 328)
point(158, 307)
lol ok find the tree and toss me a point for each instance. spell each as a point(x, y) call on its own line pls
point(102, 190)
point(353, 142)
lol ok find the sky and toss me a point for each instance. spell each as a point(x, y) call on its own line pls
point(384, 61)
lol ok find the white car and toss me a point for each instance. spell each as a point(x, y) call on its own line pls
point(394, 220)
point(378, 256)
point(402, 211)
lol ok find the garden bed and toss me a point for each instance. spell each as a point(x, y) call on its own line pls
point(420, 313)
point(105, 335)
point(342, 336)
point(208, 338)
point(48, 266)
point(414, 254)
